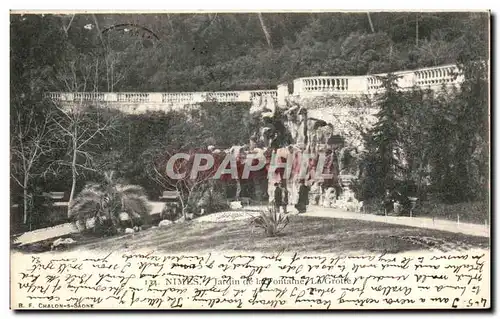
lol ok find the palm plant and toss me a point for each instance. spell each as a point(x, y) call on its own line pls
point(271, 220)
point(109, 203)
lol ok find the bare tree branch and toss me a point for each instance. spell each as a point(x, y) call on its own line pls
point(264, 29)
point(31, 138)
point(370, 21)
point(66, 28)
point(76, 124)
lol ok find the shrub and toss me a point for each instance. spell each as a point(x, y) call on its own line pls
point(271, 220)
point(106, 204)
point(171, 211)
point(477, 212)
point(210, 197)
point(218, 201)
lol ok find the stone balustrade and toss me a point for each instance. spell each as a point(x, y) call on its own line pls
point(133, 97)
point(426, 78)
point(224, 96)
point(176, 97)
point(255, 94)
point(327, 84)
point(181, 97)
point(374, 83)
point(447, 74)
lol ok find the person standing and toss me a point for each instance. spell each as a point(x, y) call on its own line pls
point(278, 197)
point(388, 202)
point(303, 199)
point(284, 197)
point(274, 143)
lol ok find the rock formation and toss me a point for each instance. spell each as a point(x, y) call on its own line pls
point(306, 127)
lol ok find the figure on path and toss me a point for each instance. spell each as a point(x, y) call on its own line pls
point(303, 200)
point(278, 196)
point(284, 197)
point(388, 202)
point(274, 144)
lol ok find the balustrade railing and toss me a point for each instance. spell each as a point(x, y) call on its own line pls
point(181, 97)
point(259, 93)
point(374, 83)
point(159, 98)
point(55, 96)
point(322, 84)
point(133, 97)
point(88, 96)
point(366, 84)
point(425, 78)
point(224, 96)
point(447, 74)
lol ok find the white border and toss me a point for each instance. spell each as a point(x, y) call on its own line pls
point(196, 5)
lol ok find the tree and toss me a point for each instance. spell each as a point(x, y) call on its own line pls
point(82, 126)
point(82, 129)
point(471, 126)
point(35, 48)
point(31, 138)
point(264, 29)
point(370, 21)
point(382, 162)
point(216, 42)
point(186, 185)
point(434, 138)
point(436, 51)
point(37, 43)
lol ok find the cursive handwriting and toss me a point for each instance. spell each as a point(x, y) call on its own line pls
point(152, 280)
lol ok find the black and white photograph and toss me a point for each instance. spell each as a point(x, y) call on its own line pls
point(250, 160)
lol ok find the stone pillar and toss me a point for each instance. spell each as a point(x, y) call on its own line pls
point(155, 98)
point(270, 190)
point(244, 96)
point(69, 97)
point(297, 86)
point(293, 191)
point(282, 95)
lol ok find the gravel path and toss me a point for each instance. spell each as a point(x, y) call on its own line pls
point(420, 222)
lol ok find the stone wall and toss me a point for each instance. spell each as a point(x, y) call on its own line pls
point(349, 116)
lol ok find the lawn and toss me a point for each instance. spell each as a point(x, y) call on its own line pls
point(303, 234)
point(468, 212)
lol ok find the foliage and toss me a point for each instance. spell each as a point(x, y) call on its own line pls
point(476, 212)
point(187, 185)
point(105, 202)
point(382, 161)
point(171, 211)
point(216, 120)
point(35, 48)
point(32, 137)
point(271, 220)
point(431, 143)
point(81, 133)
point(210, 197)
point(228, 51)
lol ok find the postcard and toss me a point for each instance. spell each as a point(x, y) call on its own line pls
point(250, 160)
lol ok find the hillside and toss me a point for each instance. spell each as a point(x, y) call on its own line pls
point(231, 51)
